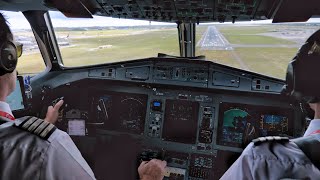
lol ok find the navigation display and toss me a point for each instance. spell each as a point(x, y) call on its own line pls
point(239, 124)
point(120, 111)
point(16, 98)
point(180, 124)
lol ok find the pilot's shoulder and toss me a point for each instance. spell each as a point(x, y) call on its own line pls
point(270, 139)
point(264, 146)
point(274, 148)
point(36, 126)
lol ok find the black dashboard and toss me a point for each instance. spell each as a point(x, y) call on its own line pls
point(196, 115)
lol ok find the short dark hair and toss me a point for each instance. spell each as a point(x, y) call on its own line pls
point(5, 32)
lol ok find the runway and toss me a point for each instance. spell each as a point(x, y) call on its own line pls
point(214, 40)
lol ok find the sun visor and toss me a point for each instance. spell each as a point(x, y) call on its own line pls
point(296, 11)
point(73, 8)
point(303, 80)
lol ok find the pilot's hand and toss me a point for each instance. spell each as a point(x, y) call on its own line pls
point(152, 170)
point(53, 112)
point(316, 108)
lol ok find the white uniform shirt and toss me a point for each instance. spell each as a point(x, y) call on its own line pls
point(5, 108)
point(313, 126)
point(26, 156)
point(274, 161)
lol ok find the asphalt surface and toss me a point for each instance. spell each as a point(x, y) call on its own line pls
point(212, 39)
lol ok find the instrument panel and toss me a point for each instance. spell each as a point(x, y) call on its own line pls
point(183, 115)
point(199, 131)
point(241, 123)
point(119, 111)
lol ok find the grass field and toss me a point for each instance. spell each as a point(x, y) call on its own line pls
point(98, 47)
point(255, 39)
point(119, 48)
point(31, 64)
point(103, 46)
point(268, 61)
point(271, 61)
point(241, 30)
point(93, 32)
point(218, 56)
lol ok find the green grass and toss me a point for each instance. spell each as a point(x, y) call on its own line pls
point(86, 51)
point(268, 61)
point(240, 30)
point(96, 32)
point(31, 64)
point(255, 39)
point(219, 56)
point(251, 35)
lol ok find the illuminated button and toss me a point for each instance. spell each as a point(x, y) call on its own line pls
point(156, 105)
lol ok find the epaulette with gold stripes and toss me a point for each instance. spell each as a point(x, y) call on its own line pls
point(38, 127)
point(261, 140)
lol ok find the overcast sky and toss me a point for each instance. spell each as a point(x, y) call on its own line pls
point(18, 21)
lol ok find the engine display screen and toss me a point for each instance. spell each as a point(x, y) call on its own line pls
point(120, 111)
point(180, 124)
point(239, 124)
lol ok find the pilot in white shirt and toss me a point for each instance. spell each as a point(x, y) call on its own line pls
point(33, 154)
point(32, 148)
point(274, 160)
point(28, 152)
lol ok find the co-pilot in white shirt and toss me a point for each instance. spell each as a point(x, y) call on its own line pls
point(26, 156)
point(274, 161)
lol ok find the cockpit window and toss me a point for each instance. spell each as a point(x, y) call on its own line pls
point(31, 61)
point(262, 48)
point(104, 40)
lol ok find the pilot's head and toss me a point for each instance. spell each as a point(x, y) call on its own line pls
point(8, 60)
point(302, 78)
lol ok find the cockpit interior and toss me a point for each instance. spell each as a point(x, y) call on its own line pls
point(185, 108)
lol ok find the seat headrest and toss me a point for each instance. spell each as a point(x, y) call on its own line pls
point(302, 79)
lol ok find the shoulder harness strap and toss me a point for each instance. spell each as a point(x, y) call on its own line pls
point(37, 126)
point(261, 140)
point(310, 147)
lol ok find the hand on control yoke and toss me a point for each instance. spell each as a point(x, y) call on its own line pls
point(152, 170)
point(53, 112)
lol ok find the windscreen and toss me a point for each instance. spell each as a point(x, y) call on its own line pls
point(257, 46)
point(105, 40)
point(15, 99)
point(260, 47)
